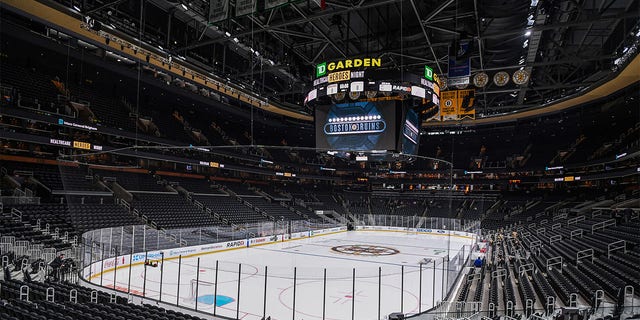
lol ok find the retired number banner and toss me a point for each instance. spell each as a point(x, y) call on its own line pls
point(218, 10)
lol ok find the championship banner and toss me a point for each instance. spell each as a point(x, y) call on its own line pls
point(460, 59)
point(218, 10)
point(448, 105)
point(270, 4)
point(245, 7)
point(459, 63)
point(466, 104)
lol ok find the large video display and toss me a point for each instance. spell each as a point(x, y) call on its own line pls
point(410, 135)
point(356, 126)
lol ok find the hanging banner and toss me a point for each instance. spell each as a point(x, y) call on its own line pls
point(459, 63)
point(466, 104)
point(245, 7)
point(218, 10)
point(448, 105)
point(431, 114)
point(460, 59)
point(457, 81)
point(270, 4)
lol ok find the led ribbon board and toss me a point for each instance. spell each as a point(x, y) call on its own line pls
point(366, 77)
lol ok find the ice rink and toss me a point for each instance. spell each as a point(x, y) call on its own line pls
point(388, 277)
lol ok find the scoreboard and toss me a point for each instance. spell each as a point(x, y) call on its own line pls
point(361, 107)
point(366, 79)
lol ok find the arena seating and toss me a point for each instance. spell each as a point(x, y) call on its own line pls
point(302, 209)
point(133, 181)
point(92, 216)
point(443, 208)
point(381, 206)
point(276, 210)
point(58, 179)
point(193, 185)
point(501, 146)
point(230, 208)
point(50, 217)
point(273, 192)
point(567, 226)
point(36, 306)
point(169, 125)
point(409, 208)
point(108, 110)
point(171, 210)
point(327, 202)
point(571, 246)
point(36, 90)
point(589, 243)
point(74, 217)
point(357, 203)
point(11, 226)
point(241, 189)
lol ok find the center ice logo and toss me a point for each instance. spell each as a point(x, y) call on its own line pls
point(365, 250)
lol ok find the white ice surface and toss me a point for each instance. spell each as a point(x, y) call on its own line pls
point(310, 257)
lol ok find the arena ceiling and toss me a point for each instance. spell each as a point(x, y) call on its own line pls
point(566, 45)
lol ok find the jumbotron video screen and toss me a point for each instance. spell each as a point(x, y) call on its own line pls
point(380, 126)
point(356, 126)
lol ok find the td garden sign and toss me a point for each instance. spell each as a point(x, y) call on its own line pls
point(367, 79)
point(323, 68)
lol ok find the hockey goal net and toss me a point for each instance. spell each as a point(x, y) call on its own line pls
point(201, 288)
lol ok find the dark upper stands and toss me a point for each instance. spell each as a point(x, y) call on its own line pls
point(194, 185)
point(56, 178)
point(133, 181)
point(240, 188)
